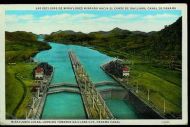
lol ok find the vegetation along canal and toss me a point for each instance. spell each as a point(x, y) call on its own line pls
point(67, 105)
point(144, 82)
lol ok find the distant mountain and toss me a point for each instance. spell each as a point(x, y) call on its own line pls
point(20, 35)
point(139, 32)
point(118, 30)
point(67, 36)
point(61, 32)
point(65, 32)
point(163, 45)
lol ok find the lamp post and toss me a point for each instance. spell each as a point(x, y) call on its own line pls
point(38, 92)
point(104, 109)
point(100, 113)
point(164, 106)
point(97, 97)
point(137, 91)
point(85, 86)
point(93, 100)
point(33, 102)
point(26, 115)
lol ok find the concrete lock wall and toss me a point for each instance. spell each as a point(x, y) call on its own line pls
point(114, 94)
point(105, 94)
point(118, 94)
point(144, 111)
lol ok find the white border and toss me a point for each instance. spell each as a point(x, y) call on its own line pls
point(184, 120)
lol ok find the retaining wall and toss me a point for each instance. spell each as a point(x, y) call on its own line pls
point(143, 110)
point(114, 94)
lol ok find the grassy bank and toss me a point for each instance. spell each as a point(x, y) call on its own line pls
point(14, 92)
point(15, 89)
point(20, 46)
point(163, 84)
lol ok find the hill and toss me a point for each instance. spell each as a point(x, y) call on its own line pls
point(20, 46)
point(162, 47)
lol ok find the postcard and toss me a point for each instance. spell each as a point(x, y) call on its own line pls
point(93, 64)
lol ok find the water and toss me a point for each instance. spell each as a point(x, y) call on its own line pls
point(91, 61)
point(40, 38)
point(121, 109)
point(67, 105)
point(58, 58)
point(64, 105)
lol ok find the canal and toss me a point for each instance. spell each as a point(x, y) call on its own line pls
point(65, 105)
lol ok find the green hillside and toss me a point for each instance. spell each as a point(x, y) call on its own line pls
point(19, 47)
point(154, 60)
point(161, 48)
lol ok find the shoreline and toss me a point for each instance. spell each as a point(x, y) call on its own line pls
point(129, 90)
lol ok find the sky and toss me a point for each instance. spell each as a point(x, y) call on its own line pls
point(46, 22)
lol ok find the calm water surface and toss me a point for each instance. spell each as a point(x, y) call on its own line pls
point(66, 105)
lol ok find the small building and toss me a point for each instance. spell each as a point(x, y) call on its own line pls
point(125, 71)
point(39, 73)
point(48, 69)
point(117, 68)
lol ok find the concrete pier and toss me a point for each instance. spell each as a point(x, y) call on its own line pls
point(36, 111)
point(94, 104)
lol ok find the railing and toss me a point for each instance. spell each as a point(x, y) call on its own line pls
point(62, 84)
point(56, 90)
point(36, 111)
point(93, 102)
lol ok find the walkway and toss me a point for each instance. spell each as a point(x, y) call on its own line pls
point(63, 84)
point(58, 89)
point(93, 102)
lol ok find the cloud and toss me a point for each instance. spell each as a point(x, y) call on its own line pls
point(55, 17)
point(85, 22)
point(67, 17)
point(160, 16)
point(121, 16)
point(16, 18)
point(82, 15)
point(102, 19)
point(26, 17)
